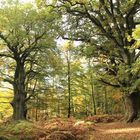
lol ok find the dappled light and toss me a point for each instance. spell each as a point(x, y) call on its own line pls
point(122, 130)
point(69, 69)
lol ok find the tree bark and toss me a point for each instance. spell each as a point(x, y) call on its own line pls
point(19, 107)
point(134, 104)
point(19, 103)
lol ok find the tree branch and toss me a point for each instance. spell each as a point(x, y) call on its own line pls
point(76, 39)
point(132, 11)
point(6, 55)
point(108, 83)
point(7, 42)
point(9, 81)
point(33, 46)
point(33, 92)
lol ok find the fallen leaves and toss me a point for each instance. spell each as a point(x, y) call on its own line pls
point(104, 118)
point(91, 128)
point(68, 129)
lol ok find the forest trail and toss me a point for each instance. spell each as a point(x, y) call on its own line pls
point(116, 131)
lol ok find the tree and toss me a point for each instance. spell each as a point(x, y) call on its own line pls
point(25, 32)
point(108, 27)
point(91, 78)
point(68, 50)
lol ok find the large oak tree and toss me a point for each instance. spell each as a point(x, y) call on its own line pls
point(107, 25)
point(25, 35)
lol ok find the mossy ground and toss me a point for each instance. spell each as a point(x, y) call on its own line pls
point(21, 130)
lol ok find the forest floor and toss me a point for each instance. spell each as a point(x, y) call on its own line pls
point(116, 131)
point(92, 128)
point(89, 130)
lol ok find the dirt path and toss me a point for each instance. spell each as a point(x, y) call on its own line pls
point(116, 131)
point(88, 130)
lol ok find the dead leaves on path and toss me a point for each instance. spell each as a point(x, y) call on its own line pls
point(71, 129)
point(104, 118)
point(117, 131)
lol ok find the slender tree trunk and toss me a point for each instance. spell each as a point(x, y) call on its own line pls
point(93, 99)
point(86, 107)
point(69, 91)
point(36, 110)
point(92, 87)
point(72, 107)
point(58, 105)
point(18, 103)
point(105, 103)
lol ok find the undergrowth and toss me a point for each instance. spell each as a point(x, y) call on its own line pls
point(21, 130)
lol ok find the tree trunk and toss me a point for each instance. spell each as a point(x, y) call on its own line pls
point(36, 109)
point(72, 107)
point(19, 107)
point(93, 99)
point(58, 106)
point(105, 102)
point(134, 105)
point(19, 103)
point(69, 90)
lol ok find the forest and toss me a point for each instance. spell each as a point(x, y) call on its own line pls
point(69, 69)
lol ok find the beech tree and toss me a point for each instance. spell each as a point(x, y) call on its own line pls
point(25, 32)
point(68, 51)
point(107, 26)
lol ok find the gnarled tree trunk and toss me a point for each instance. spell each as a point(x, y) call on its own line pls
point(134, 104)
point(19, 103)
